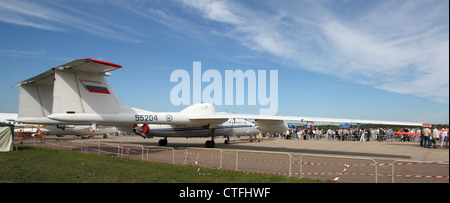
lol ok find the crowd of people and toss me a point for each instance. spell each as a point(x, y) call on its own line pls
point(434, 137)
point(425, 136)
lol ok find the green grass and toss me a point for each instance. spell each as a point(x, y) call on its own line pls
point(42, 165)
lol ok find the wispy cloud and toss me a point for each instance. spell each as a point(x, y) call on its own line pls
point(55, 16)
point(27, 14)
point(20, 53)
point(401, 47)
point(397, 46)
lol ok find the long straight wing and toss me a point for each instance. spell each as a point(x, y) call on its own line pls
point(223, 115)
point(277, 124)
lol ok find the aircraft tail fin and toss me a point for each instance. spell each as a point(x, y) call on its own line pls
point(80, 87)
point(36, 96)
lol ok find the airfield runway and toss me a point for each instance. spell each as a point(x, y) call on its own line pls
point(395, 150)
point(316, 159)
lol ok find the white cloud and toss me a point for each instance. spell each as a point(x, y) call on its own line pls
point(13, 52)
point(394, 50)
point(397, 46)
point(215, 10)
point(54, 16)
point(255, 30)
point(22, 13)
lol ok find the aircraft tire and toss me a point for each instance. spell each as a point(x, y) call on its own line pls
point(210, 144)
point(162, 142)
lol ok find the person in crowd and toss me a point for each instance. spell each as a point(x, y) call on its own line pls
point(381, 135)
point(435, 137)
point(420, 137)
point(446, 142)
point(389, 134)
point(444, 137)
point(363, 135)
point(426, 137)
point(371, 134)
point(356, 135)
point(406, 138)
point(346, 134)
point(412, 138)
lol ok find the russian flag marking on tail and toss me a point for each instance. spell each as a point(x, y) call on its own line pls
point(95, 87)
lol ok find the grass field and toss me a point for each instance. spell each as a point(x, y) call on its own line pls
point(42, 165)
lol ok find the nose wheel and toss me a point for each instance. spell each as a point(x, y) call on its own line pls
point(163, 142)
point(227, 141)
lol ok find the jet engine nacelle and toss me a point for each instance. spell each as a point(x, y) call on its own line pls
point(143, 130)
point(271, 126)
point(63, 127)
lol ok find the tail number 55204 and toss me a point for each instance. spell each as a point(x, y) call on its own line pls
point(145, 117)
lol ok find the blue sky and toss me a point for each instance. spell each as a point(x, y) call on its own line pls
point(386, 60)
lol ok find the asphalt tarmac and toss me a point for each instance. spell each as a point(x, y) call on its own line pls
point(387, 150)
point(365, 162)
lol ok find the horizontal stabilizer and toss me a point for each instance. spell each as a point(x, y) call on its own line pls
point(90, 66)
point(83, 65)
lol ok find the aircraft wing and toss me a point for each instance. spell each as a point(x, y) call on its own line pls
point(359, 121)
point(224, 115)
point(277, 123)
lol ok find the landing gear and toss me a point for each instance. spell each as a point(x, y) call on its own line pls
point(211, 143)
point(163, 142)
point(227, 141)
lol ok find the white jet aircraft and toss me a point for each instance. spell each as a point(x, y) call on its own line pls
point(59, 131)
point(77, 93)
